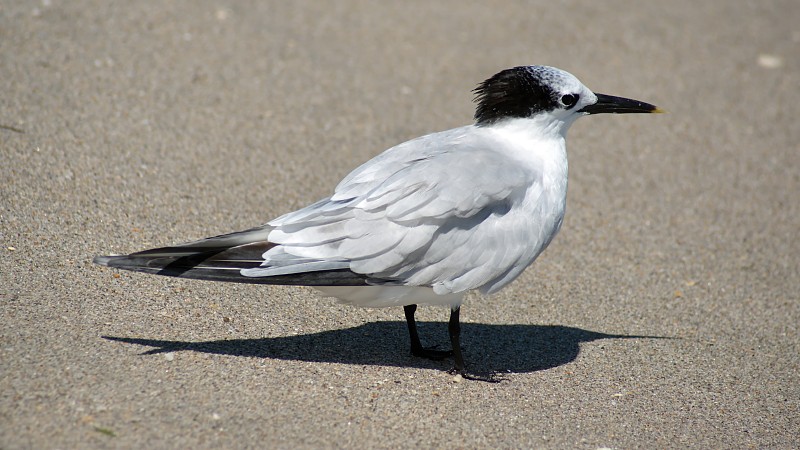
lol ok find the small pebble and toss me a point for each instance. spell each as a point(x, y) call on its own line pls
point(770, 61)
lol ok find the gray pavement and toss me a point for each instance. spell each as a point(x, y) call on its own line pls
point(126, 125)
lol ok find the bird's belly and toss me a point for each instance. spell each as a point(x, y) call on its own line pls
point(385, 296)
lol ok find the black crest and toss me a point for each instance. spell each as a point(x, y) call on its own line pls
point(518, 92)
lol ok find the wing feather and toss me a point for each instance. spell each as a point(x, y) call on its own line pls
point(229, 257)
point(435, 211)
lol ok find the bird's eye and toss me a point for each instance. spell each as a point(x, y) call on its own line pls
point(569, 100)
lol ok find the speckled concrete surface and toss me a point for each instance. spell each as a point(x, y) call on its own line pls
point(127, 125)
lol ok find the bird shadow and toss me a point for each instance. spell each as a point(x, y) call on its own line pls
point(487, 348)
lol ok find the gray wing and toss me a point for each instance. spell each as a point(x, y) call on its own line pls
point(436, 211)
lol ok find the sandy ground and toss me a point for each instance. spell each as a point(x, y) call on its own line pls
point(128, 125)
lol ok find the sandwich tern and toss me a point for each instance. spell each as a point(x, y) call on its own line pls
point(425, 221)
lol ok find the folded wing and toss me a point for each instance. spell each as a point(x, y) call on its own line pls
point(441, 211)
point(436, 211)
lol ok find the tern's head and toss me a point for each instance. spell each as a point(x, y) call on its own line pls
point(547, 93)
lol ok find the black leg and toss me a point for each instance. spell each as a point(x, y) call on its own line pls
point(416, 346)
point(454, 328)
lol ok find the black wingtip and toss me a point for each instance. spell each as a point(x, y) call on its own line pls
point(199, 266)
point(104, 260)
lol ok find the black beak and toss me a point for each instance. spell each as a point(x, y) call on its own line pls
point(619, 105)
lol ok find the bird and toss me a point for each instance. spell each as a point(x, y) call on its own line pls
point(426, 221)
